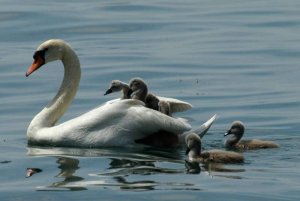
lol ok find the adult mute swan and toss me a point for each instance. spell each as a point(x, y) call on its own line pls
point(117, 123)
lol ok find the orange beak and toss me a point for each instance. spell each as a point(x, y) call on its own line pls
point(38, 62)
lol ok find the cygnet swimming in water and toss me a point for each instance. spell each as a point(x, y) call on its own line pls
point(194, 153)
point(116, 86)
point(235, 133)
point(165, 105)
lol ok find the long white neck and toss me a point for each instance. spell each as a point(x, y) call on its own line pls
point(60, 103)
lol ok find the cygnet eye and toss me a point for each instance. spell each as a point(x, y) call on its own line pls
point(134, 83)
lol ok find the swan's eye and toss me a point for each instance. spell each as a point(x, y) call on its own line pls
point(40, 54)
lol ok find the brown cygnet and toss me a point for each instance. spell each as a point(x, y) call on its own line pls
point(165, 105)
point(236, 132)
point(117, 85)
point(194, 153)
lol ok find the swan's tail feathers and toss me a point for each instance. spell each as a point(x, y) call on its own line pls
point(202, 130)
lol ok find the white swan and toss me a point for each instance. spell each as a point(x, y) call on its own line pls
point(119, 123)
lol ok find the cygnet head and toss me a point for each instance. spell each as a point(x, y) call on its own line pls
point(193, 143)
point(117, 85)
point(139, 89)
point(114, 86)
point(237, 129)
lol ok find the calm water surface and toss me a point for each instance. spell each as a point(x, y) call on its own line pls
point(239, 59)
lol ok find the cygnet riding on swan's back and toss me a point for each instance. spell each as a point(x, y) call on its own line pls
point(164, 107)
point(140, 92)
point(117, 85)
point(119, 123)
point(168, 105)
point(193, 143)
point(236, 132)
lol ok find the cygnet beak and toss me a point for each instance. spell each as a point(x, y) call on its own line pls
point(108, 92)
point(129, 93)
point(227, 133)
point(187, 151)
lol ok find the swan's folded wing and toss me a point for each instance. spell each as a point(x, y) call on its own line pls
point(150, 121)
point(176, 105)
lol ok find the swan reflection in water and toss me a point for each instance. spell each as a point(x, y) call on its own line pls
point(130, 171)
point(196, 168)
point(68, 167)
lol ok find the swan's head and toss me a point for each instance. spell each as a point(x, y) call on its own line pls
point(48, 51)
point(193, 143)
point(237, 129)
